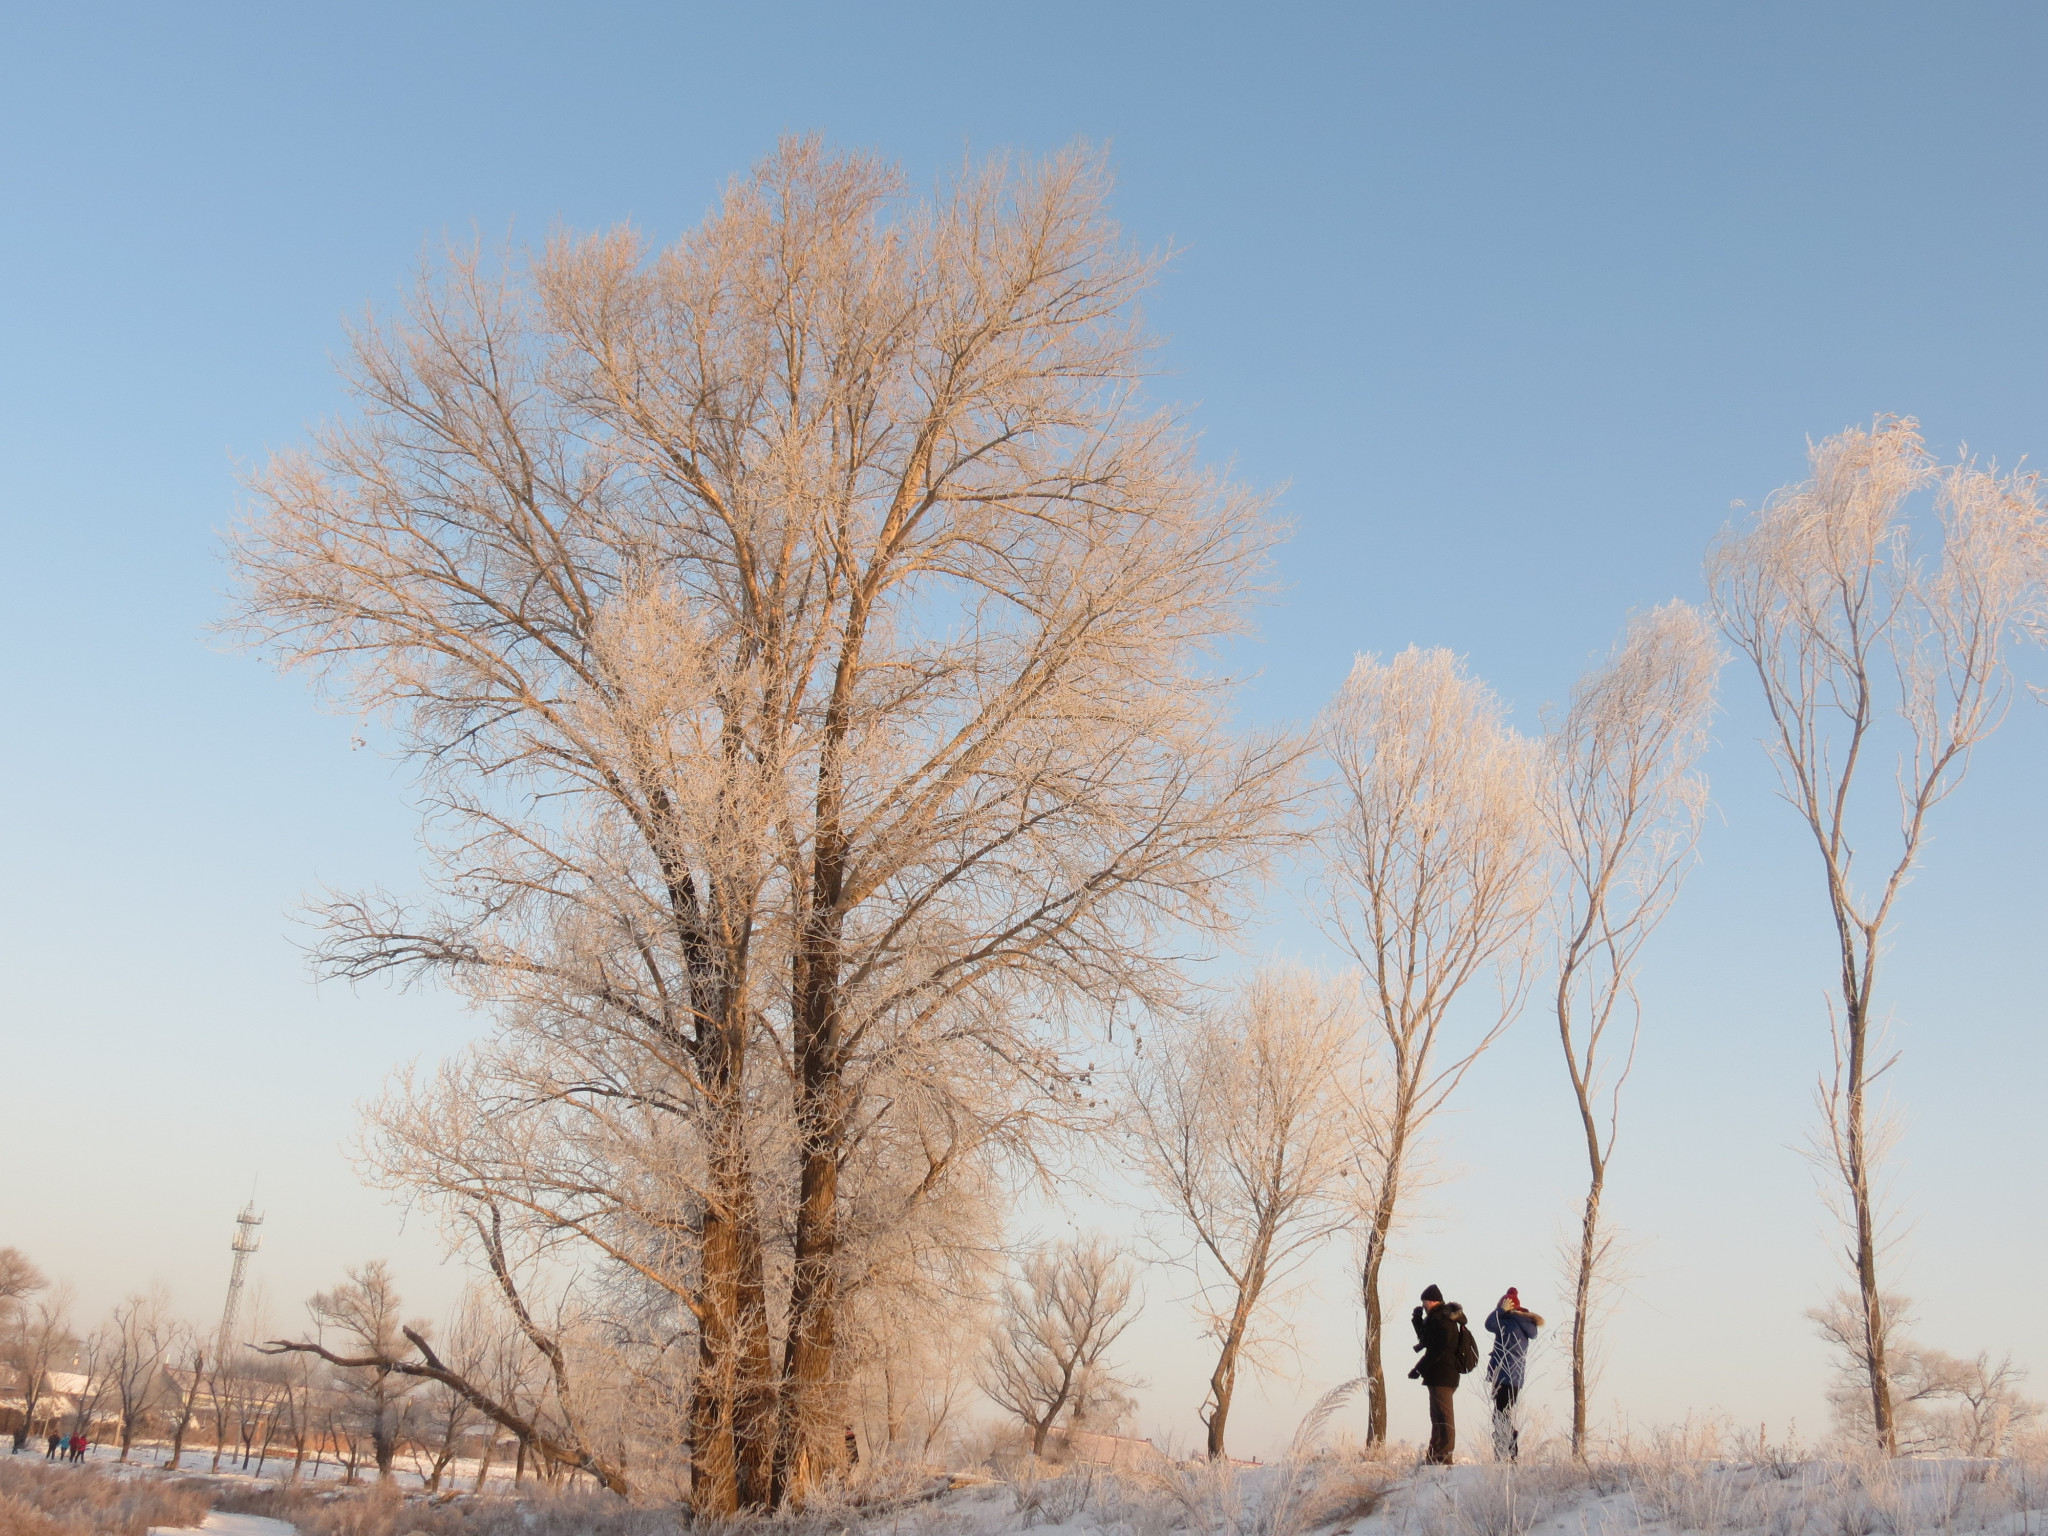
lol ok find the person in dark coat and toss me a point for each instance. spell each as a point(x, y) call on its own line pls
point(1513, 1327)
point(1437, 1325)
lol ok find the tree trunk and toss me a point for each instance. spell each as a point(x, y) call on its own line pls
point(1223, 1381)
point(1582, 1290)
point(185, 1414)
point(732, 1411)
point(807, 1449)
point(732, 1407)
point(1866, 1246)
point(1858, 975)
point(31, 1399)
point(1375, 1323)
point(714, 1455)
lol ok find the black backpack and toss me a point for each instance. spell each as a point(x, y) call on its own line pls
point(1468, 1351)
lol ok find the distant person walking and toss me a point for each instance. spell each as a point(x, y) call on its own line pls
point(1448, 1351)
point(1513, 1327)
point(55, 1440)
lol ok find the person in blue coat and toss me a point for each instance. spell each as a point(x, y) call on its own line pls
point(1513, 1327)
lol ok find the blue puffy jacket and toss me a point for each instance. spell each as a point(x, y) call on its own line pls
point(1511, 1332)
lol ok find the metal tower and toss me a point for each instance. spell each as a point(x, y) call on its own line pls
point(246, 1243)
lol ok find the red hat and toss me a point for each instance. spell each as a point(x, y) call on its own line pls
point(1514, 1295)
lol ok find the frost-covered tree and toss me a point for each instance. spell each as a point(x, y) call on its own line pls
point(38, 1341)
point(1879, 639)
point(1049, 1353)
point(1249, 1118)
point(799, 633)
point(1435, 856)
point(1942, 1404)
point(1621, 803)
point(364, 1318)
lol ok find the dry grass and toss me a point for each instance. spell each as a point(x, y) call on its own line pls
point(41, 1499)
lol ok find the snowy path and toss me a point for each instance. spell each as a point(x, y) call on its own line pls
point(219, 1524)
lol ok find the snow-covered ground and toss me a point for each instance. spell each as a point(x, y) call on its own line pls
point(220, 1523)
point(1344, 1497)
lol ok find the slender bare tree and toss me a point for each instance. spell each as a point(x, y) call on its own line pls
point(141, 1333)
point(1622, 802)
point(223, 1387)
point(799, 634)
point(1435, 856)
point(1868, 647)
point(1248, 1118)
point(186, 1347)
point(92, 1361)
point(1050, 1349)
point(296, 1415)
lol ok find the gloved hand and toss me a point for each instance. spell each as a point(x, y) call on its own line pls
point(1416, 1374)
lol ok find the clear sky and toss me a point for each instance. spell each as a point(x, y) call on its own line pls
point(1514, 300)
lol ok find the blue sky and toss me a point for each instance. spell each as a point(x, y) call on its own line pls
point(1514, 301)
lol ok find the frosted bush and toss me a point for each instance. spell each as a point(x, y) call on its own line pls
point(1487, 1501)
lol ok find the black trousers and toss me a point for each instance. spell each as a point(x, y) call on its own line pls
point(1507, 1439)
point(1443, 1425)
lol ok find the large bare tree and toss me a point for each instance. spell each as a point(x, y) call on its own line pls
point(1434, 858)
point(19, 1280)
point(1248, 1117)
point(799, 633)
point(1622, 802)
point(38, 1340)
point(1871, 647)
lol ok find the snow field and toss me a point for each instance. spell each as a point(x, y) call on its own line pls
point(1347, 1497)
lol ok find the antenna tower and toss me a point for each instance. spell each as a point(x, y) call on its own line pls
point(246, 1242)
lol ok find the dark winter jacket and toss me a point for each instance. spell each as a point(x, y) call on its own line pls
point(1436, 1335)
point(1512, 1333)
